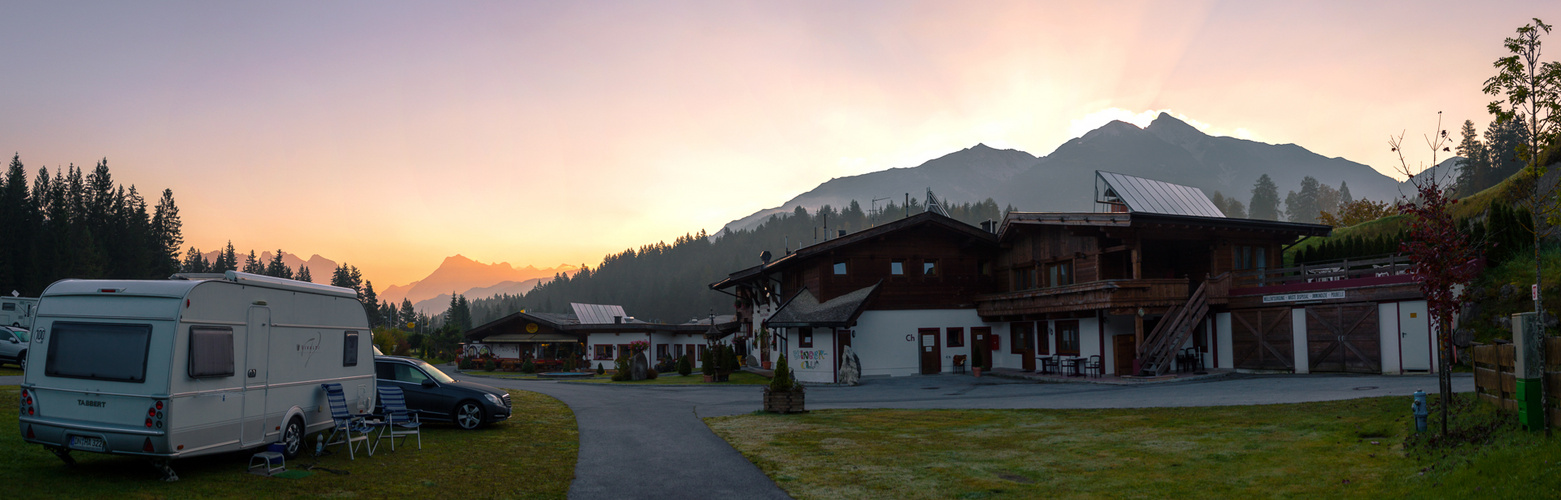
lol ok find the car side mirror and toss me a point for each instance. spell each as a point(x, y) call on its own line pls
point(15, 341)
point(429, 383)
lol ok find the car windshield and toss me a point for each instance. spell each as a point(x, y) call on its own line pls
point(434, 372)
point(21, 335)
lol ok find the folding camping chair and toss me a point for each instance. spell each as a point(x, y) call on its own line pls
point(349, 429)
point(396, 421)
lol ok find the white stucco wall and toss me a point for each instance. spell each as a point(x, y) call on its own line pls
point(881, 343)
point(1222, 340)
point(1298, 345)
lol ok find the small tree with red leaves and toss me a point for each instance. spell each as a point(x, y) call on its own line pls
point(1441, 258)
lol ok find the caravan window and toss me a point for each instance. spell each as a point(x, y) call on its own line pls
point(211, 351)
point(8, 306)
point(349, 353)
point(98, 351)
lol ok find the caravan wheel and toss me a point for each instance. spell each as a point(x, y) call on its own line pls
point(293, 438)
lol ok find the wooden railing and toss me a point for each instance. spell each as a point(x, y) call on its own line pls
point(1326, 271)
point(1085, 296)
point(1160, 345)
point(1495, 382)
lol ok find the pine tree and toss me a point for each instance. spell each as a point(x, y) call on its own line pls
point(303, 274)
point(167, 232)
point(252, 264)
point(1265, 199)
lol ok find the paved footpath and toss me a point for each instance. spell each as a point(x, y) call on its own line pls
point(649, 441)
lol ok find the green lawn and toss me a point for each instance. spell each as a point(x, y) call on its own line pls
point(531, 455)
point(1328, 450)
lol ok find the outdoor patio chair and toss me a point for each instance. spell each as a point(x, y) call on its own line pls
point(396, 421)
point(959, 363)
point(1049, 365)
point(1093, 364)
point(349, 429)
point(1187, 360)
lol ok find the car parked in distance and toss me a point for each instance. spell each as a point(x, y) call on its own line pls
point(438, 397)
point(13, 346)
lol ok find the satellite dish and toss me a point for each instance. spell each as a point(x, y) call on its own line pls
point(763, 256)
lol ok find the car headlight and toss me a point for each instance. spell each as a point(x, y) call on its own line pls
point(494, 399)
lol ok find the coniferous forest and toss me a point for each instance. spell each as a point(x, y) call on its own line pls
point(74, 224)
point(670, 282)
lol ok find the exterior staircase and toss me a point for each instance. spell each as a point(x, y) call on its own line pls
point(1159, 349)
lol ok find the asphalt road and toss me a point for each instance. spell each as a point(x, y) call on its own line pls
point(649, 441)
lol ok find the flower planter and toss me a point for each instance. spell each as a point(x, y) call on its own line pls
point(976, 370)
point(784, 401)
point(709, 378)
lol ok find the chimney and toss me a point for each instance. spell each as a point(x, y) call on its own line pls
point(617, 320)
point(841, 233)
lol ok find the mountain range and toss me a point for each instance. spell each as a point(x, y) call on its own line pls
point(1168, 150)
point(475, 280)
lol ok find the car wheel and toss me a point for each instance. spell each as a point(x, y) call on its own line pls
point(293, 438)
point(468, 415)
point(21, 360)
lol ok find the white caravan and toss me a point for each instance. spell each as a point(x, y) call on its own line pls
point(18, 311)
point(191, 366)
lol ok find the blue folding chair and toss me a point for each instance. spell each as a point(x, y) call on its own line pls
point(396, 421)
point(349, 429)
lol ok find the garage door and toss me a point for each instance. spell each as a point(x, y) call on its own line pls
point(1343, 338)
point(1262, 339)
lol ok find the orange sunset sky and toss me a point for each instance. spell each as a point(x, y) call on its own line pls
point(389, 135)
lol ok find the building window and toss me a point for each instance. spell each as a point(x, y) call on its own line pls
point(1068, 337)
point(840, 268)
point(1059, 274)
point(661, 351)
point(806, 336)
point(956, 337)
point(929, 268)
point(623, 350)
point(601, 351)
point(897, 268)
point(1250, 257)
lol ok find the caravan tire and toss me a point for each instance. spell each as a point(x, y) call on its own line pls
point(468, 415)
point(293, 438)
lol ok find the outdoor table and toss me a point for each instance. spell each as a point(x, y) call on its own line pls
point(1071, 365)
point(1048, 364)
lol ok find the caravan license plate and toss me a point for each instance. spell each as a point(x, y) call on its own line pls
point(87, 443)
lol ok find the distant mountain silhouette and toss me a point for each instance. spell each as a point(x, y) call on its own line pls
point(441, 302)
point(1168, 149)
point(967, 175)
point(459, 274)
point(320, 268)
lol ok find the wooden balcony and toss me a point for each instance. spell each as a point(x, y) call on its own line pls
point(1115, 296)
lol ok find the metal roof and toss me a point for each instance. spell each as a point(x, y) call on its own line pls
point(1151, 196)
point(599, 313)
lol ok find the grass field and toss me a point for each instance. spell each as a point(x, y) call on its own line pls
point(532, 455)
point(1323, 450)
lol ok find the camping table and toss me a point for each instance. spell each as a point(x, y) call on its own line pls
point(1048, 364)
point(1071, 365)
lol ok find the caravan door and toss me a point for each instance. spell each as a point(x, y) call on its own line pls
point(257, 355)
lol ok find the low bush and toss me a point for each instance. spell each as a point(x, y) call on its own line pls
point(528, 367)
point(651, 374)
point(684, 367)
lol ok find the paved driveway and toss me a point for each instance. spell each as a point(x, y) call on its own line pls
point(649, 441)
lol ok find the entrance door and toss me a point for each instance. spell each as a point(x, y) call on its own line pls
point(981, 348)
point(1024, 341)
point(1261, 339)
point(257, 351)
point(1343, 338)
point(931, 355)
point(1125, 353)
point(1414, 333)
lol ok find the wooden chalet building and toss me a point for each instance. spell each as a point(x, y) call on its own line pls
point(593, 334)
point(1157, 278)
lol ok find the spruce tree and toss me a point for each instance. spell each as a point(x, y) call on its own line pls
point(1265, 199)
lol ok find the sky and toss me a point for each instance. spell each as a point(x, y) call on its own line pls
point(390, 135)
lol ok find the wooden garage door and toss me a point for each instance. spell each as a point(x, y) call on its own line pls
point(1262, 339)
point(1343, 338)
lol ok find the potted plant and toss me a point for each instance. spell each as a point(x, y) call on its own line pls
point(975, 362)
point(784, 394)
point(764, 348)
point(706, 364)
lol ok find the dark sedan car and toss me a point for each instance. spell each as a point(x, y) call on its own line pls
point(437, 397)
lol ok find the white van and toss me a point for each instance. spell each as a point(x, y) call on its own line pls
point(18, 311)
point(191, 366)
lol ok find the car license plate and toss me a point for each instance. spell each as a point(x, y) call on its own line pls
point(88, 443)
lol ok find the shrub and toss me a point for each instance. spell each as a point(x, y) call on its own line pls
point(488, 364)
point(782, 381)
point(599, 369)
point(528, 367)
point(684, 367)
point(507, 365)
point(621, 369)
point(650, 374)
point(466, 364)
point(706, 364)
point(731, 359)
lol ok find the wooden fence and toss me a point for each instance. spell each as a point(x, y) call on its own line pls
point(1494, 381)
